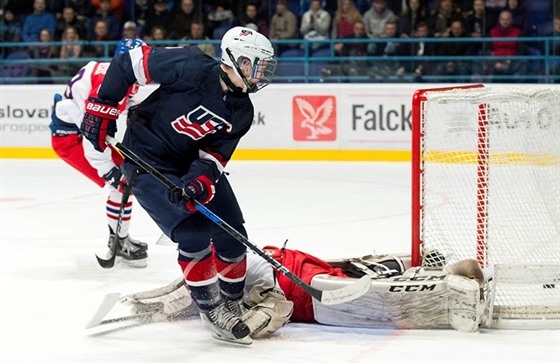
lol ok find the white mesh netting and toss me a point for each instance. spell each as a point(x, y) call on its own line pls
point(490, 187)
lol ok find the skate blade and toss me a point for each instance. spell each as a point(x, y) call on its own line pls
point(243, 341)
point(133, 263)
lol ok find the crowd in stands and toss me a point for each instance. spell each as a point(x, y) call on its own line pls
point(198, 21)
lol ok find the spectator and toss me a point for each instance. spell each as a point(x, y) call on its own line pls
point(376, 17)
point(44, 70)
point(478, 23)
point(353, 67)
point(130, 30)
point(478, 26)
point(197, 33)
point(70, 50)
point(388, 48)
point(283, 26)
point(116, 6)
point(505, 29)
point(493, 8)
point(139, 10)
point(420, 49)
point(36, 21)
point(442, 17)
point(157, 15)
point(10, 31)
point(100, 34)
point(83, 8)
point(346, 15)
point(413, 14)
point(220, 16)
point(185, 15)
point(315, 23)
point(250, 15)
point(112, 22)
point(520, 16)
point(69, 18)
point(453, 67)
point(158, 34)
point(262, 7)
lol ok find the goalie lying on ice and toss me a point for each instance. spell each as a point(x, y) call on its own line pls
point(413, 298)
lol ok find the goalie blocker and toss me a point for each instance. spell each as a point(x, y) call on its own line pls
point(442, 297)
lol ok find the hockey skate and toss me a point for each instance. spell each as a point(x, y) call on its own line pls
point(226, 325)
point(130, 251)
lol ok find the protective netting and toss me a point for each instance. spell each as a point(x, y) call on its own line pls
point(490, 188)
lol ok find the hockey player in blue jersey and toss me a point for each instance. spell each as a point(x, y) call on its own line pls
point(188, 129)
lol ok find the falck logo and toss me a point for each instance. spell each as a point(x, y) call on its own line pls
point(314, 118)
point(199, 123)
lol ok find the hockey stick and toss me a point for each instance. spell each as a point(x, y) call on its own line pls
point(329, 297)
point(110, 262)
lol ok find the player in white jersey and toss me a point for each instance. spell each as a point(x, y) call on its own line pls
point(103, 168)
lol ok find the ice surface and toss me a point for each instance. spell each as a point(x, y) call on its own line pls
point(53, 222)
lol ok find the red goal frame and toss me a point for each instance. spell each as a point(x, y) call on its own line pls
point(418, 101)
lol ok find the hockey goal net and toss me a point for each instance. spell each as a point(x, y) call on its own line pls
point(486, 186)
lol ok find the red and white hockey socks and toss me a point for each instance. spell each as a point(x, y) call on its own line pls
point(113, 209)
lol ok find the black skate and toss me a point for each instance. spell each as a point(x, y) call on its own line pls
point(131, 251)
point(226, 325)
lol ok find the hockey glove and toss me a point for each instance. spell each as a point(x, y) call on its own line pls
point(116, 179)
point(99, 121)
point(59, 127)
point(200, 188)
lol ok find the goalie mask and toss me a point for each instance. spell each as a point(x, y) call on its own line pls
point(251, 55)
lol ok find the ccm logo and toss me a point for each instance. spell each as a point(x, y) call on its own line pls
point(409, 288)
point(102, 109)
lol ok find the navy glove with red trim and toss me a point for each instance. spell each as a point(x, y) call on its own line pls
point(116, 179)
point(100, 121)
point(199, 188)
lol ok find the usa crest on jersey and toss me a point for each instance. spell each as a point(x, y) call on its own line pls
point(199, 123)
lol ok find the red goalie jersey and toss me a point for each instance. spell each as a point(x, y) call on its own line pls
point(305, 266)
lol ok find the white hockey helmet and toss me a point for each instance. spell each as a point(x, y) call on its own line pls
point(251, 54)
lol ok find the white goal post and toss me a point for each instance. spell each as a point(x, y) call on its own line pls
point(486, 186)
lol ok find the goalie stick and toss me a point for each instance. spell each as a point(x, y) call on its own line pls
point(111, 254)
point(108, 303)
point(327, 297)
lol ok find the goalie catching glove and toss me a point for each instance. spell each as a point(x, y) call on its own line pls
point(100, 121)
point(268, 311)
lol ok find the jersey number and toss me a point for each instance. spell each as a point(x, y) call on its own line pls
point(76, 78)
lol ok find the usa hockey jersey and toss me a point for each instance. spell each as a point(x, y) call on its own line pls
point(187, 118)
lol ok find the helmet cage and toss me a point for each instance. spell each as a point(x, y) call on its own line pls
point(262, 70)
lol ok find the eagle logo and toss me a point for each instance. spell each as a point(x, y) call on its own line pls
point(314, 118)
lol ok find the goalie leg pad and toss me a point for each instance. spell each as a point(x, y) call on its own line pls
point(466, 305)
point(269, 311)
